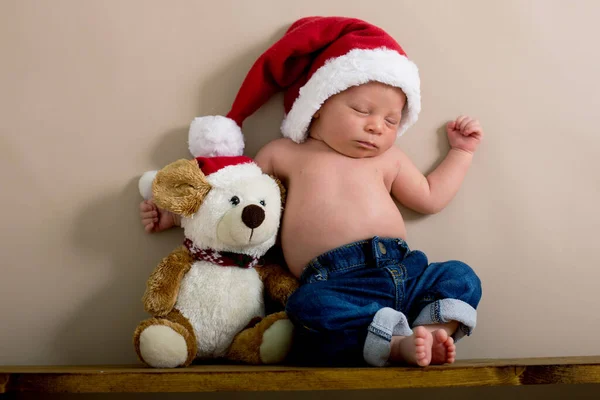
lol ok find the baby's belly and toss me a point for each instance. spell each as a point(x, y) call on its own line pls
point(219, 302)
point(308, 233)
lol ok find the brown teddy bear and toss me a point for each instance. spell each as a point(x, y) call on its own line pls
point(207, 297)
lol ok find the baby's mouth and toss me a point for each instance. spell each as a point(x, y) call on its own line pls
point(367, 145)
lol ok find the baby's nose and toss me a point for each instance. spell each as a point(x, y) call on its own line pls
point(253, 216)
point(374, 127)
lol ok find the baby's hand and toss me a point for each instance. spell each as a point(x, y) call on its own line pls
point(154, 219)
point(464, 134)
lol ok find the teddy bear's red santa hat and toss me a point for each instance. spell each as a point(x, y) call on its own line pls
point(214, 168)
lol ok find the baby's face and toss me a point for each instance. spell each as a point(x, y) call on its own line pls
point(361, 121)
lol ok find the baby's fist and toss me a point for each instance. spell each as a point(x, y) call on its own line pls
point(465, 133)
point(154, 219)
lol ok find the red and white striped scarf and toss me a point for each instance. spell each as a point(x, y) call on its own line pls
point(221, 258)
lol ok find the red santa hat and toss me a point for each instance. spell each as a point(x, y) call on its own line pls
point(210, 165)
point(223, 170)
point(316, 58)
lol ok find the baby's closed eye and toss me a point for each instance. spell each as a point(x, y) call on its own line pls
point(360, 110)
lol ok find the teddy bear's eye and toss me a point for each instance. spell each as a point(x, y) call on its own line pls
point(234, 200)
point(263, 203)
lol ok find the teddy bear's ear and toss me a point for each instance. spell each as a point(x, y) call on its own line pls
point(281, 190)
point(180, 187)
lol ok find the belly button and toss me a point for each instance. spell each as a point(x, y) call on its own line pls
point(382, 248)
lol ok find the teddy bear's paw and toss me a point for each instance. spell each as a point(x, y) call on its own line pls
point(277, 342)
point(163, 347)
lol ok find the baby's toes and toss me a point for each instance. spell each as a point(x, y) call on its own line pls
point(423, 342)
point(421, 356)
point(441, 336)
point(450, 350)
point(449, 344)
point(450, 357)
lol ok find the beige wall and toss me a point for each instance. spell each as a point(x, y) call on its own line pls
point(93, 93)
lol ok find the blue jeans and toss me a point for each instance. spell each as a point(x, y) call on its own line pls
point(341, 291)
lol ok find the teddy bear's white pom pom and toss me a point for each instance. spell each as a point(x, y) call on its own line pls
point(145, 184)
point(214, 136)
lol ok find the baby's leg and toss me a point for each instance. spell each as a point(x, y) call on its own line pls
point(442, 299)
point(331, 319)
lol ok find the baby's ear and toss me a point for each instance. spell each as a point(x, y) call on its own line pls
point(282, 190)
point(180, 187)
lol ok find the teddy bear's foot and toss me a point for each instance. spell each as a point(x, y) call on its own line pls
point(268, 342)
point(277, 342)
point(162, 347)
point(164, 343)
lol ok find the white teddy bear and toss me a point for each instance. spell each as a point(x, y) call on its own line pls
point(207, 296)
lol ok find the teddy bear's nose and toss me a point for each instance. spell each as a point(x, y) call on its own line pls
point(253, 216)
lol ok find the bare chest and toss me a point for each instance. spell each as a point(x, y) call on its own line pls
point(333, 171)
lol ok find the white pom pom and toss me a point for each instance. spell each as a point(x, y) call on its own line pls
point(213, 136)
point(145, 184)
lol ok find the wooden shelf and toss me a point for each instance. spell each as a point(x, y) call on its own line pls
point(212, 378)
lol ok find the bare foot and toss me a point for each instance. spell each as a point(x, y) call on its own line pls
point(443, 349)
point(414, 349)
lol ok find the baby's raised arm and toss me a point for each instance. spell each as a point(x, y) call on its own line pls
point(431, 194)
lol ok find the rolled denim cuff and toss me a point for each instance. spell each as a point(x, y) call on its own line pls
point(387, 322)
point(446, 310)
